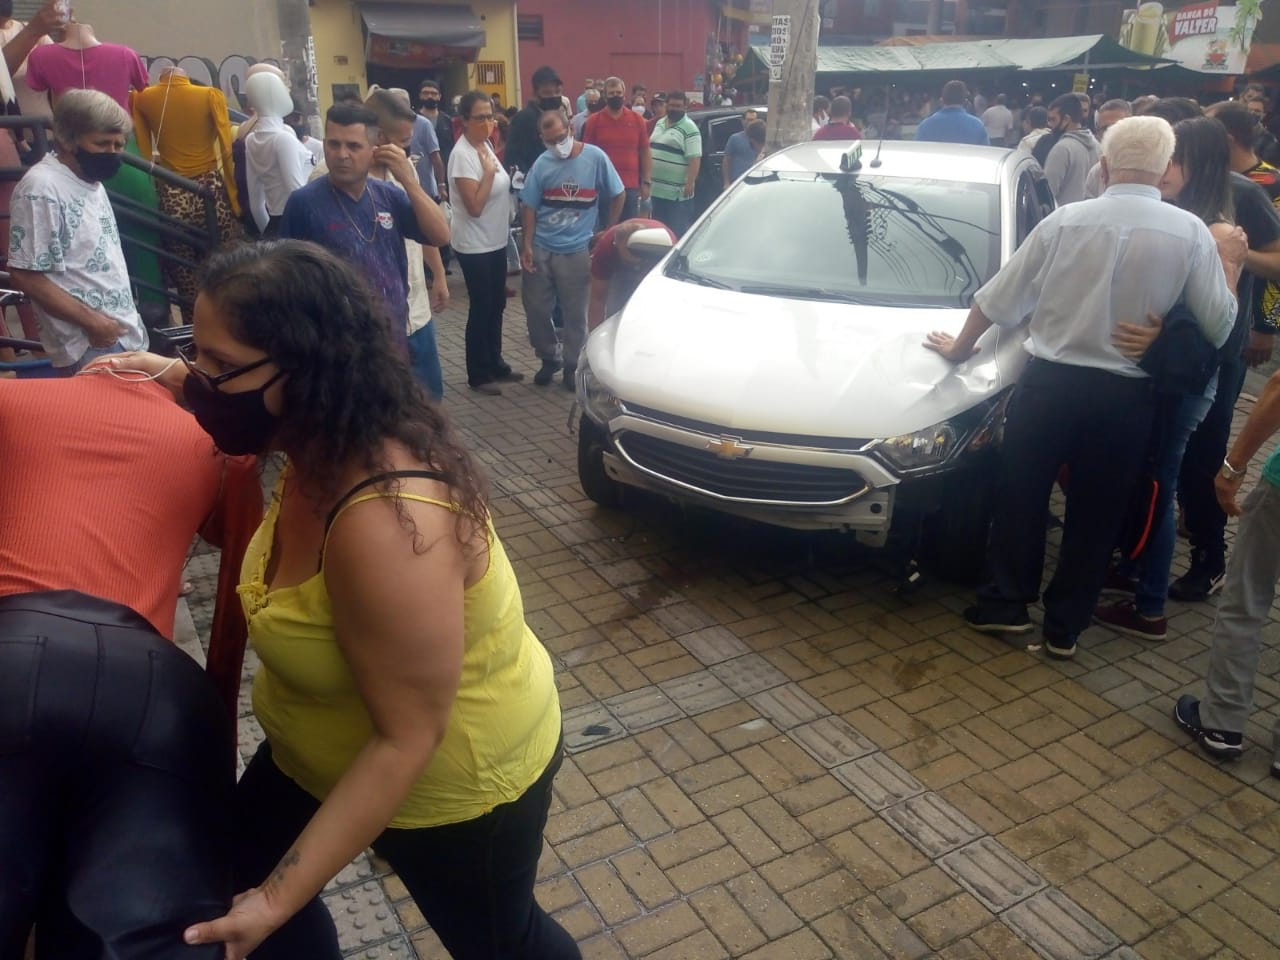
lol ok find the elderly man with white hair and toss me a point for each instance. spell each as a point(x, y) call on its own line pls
point(1085, 269)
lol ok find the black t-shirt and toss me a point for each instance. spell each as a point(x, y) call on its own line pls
point(1258, 218)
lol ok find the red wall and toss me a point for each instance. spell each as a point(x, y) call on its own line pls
point(600, 38)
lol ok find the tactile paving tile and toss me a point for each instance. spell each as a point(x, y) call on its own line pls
point(362, 915)
point(714, 645)
point(932, 824)
point(788, 706)
point(831, 741)
point(643, 709)
point(991, 873)
point(878, 780)
point(1059, 929)
point(698, 692)
point(590, 725)
point(397, 948)
point(359, 870)
point(749, 675)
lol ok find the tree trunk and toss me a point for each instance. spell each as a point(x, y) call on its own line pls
point(791, 98)
point(934, 22)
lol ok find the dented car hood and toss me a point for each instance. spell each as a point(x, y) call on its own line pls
point(747, 362)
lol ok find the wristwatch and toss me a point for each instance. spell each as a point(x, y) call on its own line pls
point(1229, 472)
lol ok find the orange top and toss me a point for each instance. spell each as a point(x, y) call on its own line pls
point(103, 485)
point(184, 122)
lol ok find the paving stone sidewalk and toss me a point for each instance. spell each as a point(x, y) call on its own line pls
point(774, 754)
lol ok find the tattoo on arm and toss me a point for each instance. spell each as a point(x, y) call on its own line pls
point(276, 880)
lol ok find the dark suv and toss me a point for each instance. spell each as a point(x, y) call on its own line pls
point(717, 125)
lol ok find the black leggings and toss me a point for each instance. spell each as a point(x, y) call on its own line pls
point(115, 785)
point(486, 277)
point(473, 881)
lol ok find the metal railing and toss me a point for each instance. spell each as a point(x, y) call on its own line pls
point(128, 211)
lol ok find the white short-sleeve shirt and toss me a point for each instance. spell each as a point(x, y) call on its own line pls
point(64, 227)
point(489, 231)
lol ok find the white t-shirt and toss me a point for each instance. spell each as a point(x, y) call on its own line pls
point(63, 226)
point(489, 231)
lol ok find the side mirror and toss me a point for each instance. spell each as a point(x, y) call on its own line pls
point(652, 243)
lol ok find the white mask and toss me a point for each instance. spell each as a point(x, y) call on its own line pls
point(639, 108)
point(564, 148)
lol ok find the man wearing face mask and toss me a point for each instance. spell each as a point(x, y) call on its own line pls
point(594, 104)
point(677, 157)
point(622, 135)
point(1073, 155)
point(64, 245)
point(524, 145)
point(560, 215)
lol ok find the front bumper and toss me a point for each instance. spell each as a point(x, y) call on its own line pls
point(785, 484)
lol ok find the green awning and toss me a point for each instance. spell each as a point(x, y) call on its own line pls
point(996, 54)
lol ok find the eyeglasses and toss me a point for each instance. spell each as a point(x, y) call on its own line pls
point(482, 118)
point(190, 353)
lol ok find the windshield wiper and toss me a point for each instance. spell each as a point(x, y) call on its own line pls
point(818, 293)
point(679, 270)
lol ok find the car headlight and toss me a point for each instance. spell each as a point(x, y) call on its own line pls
point(597, 400)
point(924, 448)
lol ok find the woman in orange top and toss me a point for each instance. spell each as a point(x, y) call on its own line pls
point(185, 128)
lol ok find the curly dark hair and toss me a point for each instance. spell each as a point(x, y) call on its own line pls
point(349, 388)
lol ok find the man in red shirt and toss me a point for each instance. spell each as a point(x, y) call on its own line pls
point(620, 132)
point(617, 268)
point(839, 127)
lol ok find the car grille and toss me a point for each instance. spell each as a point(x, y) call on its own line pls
point(745, 479)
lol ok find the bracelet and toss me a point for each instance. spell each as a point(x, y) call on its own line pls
point(1231, 472)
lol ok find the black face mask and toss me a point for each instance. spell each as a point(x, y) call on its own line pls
point(97, 167)
point(239, 423)
point(615, 103)
point(432, 104)
point(674, 117)
point(595, 107)
point(551, 103)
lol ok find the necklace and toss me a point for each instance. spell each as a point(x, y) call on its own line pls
point(373, 231)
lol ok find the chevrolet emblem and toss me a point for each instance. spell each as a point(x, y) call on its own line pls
point(729, 448)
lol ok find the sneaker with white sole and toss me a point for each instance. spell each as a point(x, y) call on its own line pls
point(1220, 744)
point(990, 620)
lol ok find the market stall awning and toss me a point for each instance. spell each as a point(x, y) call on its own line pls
point(1096, 52)
point(404, 35)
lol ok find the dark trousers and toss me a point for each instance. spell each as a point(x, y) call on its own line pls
point(1201, 463)
point(473, 881)
point(1097, 424)
point(115, 785)
point(678, 215)
point(630, 206)
point(486, 278)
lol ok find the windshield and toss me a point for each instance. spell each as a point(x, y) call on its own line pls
point(849, 237)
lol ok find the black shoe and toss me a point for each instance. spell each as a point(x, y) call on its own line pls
point(548, 370)
point(1060, 648)
point(509, 376)
point(1217, 743)
point(488, 389)
point(985, 620)
point(1202, 581)
point(571, 379)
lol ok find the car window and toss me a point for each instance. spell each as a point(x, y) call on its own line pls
point(1027, 209)
point(1044, 194)
point(890, 240)
point(721, 129)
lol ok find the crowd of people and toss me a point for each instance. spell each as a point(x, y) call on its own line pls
point(405, 702)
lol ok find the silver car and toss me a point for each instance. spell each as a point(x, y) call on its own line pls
point(771, 366)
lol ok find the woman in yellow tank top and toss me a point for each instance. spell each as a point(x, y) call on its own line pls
point(405, 702)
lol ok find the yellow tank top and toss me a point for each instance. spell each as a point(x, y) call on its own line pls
point(504, 725)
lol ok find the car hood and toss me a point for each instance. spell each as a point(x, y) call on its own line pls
point(745, 362)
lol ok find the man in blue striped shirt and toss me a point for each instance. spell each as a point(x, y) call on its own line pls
point(677, 158)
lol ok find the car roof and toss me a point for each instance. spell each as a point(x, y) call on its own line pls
point(898, 158)
point(712, 113)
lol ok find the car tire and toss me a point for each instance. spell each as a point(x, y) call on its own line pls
point(595, 482)
point(954, 541)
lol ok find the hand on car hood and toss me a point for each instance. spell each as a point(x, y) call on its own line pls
point(764, 363)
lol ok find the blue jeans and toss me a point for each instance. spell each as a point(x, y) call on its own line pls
point(676, 214)
point(424, 358)
point(1181, 418)
point(90, 355)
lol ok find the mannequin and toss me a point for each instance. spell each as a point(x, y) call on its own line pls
point(79, 60)
point(276, 163)
point(177, 124)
